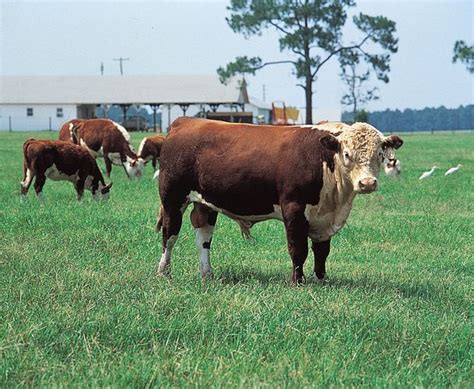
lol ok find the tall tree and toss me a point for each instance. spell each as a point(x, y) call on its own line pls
point(357, 93)
point(465, 54)
point(312, 32)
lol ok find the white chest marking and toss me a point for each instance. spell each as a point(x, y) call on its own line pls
point(140, 148)
point(327, 217)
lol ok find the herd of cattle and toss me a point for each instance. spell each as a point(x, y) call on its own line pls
point(73, 157)
point(305, 176)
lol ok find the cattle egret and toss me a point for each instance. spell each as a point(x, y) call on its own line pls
point(452, 170)
point(428, 173)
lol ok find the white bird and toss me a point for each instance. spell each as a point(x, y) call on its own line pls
point(392, 167)
point(452, 170)
point(428, 173)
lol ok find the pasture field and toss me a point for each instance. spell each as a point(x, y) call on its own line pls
point(80, 302)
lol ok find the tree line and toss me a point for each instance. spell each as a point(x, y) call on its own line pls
point(426, 119)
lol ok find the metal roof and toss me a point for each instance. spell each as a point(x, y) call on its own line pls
point(119, 90)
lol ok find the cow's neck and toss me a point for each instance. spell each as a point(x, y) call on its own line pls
point(344, 186)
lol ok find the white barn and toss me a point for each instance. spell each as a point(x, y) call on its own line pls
point(29, 103)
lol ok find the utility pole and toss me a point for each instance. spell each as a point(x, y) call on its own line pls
point(101, 68)
point(263, 90)
point(121, 63)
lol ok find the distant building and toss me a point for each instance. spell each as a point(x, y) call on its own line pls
point(45, 102)
point(320, 114)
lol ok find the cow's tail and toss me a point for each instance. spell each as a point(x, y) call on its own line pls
point(25, 157)
point(159, 220)
point(74, 131)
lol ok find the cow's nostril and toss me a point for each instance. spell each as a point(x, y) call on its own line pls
point(368, 184)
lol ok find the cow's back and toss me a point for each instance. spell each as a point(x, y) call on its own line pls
point(240, 167)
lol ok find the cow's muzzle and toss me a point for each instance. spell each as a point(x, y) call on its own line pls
point(368, 185)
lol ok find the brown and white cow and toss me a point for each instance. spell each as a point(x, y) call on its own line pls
point(303, 176)
point(392, 167)
point(150, 148)
point(61, 161)
point(107, 139)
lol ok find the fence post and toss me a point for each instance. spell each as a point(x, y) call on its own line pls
point(50, 128)
point(10, 123)
point(432, 130)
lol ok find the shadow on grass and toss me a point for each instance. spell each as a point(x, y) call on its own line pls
point(370, 284)
point(247, 276)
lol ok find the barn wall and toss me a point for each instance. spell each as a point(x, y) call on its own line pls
point(16, 113)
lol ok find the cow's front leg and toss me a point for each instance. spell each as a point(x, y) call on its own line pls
point(321, 252)
point(153, 163)
point(296, 227)
point(108, 164)
point(39, 183)
point(80, 188)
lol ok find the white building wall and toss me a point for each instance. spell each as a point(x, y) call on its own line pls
point(16, 114)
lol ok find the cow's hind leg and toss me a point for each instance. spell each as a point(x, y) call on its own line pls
point(28, 176)
point(203, 220)
point(172, 218)
point(321, 252)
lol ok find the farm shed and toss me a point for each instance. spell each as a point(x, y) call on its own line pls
point(45, 102)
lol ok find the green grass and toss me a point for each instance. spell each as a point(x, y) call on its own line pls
point(80, 302)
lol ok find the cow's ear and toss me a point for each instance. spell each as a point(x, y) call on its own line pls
point(330, 142)
point(393, 142)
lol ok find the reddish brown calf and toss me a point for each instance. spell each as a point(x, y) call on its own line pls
point(104, 138)
point(150, 149)
point(61, 161)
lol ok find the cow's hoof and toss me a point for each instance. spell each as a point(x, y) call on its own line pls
point(316, 280)
point(207, 276)
point(164, 271)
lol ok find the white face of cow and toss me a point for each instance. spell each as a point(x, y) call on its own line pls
point(360, 154)
point(134, 167)
point(102, 192)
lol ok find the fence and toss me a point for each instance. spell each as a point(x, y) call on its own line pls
point(17, 123)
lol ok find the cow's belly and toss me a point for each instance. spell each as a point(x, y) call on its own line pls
point(196, 197)
point(54, 174)
point(114, 157)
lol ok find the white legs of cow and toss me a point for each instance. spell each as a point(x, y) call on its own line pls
point(203, 243)
point(164, 268)
point(203, 220)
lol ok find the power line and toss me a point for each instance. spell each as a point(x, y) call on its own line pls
point(121, 63)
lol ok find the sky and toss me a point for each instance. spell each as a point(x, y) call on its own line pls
point(192, 37)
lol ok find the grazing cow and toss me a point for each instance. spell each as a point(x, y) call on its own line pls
point(107, 139)
point(150, 148)
point(61, 161)
point(301, 175)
